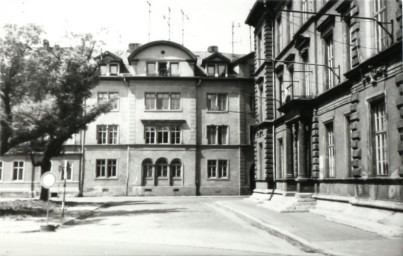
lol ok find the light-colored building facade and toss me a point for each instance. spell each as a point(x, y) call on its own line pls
point(180, 125)
point(329, 104)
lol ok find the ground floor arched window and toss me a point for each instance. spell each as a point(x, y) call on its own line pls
point(162, 167)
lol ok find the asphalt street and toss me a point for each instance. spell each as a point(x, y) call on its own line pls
point(154, 226)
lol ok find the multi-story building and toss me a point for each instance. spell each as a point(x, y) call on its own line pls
point(329, 103)
point(180, 125)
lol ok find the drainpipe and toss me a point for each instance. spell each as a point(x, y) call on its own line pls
point(127, 171)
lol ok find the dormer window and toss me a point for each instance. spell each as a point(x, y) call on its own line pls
point(222, 70)
point(110, 69)
point(217, 70)
point(211, 70)
point(151, 70)
point(113, 69)
point(163, 68)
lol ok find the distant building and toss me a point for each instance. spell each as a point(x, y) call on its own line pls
point(329, 114)
point(180, 125)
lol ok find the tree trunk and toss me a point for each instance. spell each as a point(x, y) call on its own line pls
point(45, 167)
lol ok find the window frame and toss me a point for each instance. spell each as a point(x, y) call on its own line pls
point(385, 171)
point(329, 59)
point(161, 164)
point(107, 132)
point(330, 149)
point(217, 102)
point(1, 170)
point(105, 176)
point(18, 179)
point(154, 102)
point(62, 172)
point(116, 101)
point(174, 168)
point(380, 14)
point(217, 134)
point(217, 170)
point(152, 131)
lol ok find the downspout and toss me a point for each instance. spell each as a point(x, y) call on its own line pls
point(127, 170)
point(82, 167)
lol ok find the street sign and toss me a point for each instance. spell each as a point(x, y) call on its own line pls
point(48, 179)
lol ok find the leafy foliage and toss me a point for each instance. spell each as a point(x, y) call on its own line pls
point(43, 91)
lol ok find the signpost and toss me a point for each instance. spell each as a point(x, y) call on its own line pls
point(48, 180)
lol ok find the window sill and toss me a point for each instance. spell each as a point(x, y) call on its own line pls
point(163, 110)
point(177, 178)
point(217, 179)
point(217, 111)
point(112, 178)
point(162, 178)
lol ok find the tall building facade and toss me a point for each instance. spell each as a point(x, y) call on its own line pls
point(328, 86)
point(180, 125)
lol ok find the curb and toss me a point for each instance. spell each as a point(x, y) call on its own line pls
point(276, 231)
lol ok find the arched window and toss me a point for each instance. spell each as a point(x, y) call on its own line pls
point(147, 168)
point(176, 168)
point(162, 167)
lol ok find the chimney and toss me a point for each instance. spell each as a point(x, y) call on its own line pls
point(212, 49)
point(132, 47)
point(45, 44)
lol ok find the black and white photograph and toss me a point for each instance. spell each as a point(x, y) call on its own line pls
point(201, 127)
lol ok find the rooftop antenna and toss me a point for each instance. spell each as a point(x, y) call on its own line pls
point(234, 26)
point(183, 26)
point(169, 23)
point(149, 21)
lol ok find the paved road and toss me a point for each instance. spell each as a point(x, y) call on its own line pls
point(154, 226)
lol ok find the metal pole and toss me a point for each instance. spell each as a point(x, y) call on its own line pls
point(64, 186)
point(47, 208)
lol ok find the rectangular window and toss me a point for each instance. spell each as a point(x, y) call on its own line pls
point(150, 100)
point(329, 60)
point(281, 166)
point(18, 170)
point(150, 135)
point(163, 134)
point(151, 69)
point(222, 169)
point(106, 168)
point(103, 69)
point(66, 171)
point(380, 142)
point(109, 96)
point(380, 15)
point(348, 145)
point(222, 70)
point(162, 101)
point(1, 170)
point(330, 150)
point(174, 69)
point(162, 68)
point(217, 135)
point(113, 69)
point(217, 169)
point(261, 160)
point(211, 70)
point(217, 101)
point(347, 42)
point(261, 102)
point(306, 76)
point(211, 168)
point(175, 135)
point(107, 134)
point(175, 101)
point(259, 49)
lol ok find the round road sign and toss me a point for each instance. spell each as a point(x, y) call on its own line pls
point(48, 179)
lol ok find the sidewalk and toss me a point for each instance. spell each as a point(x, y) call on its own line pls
point(315, 231)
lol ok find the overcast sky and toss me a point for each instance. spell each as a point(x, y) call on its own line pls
point(119, 22)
